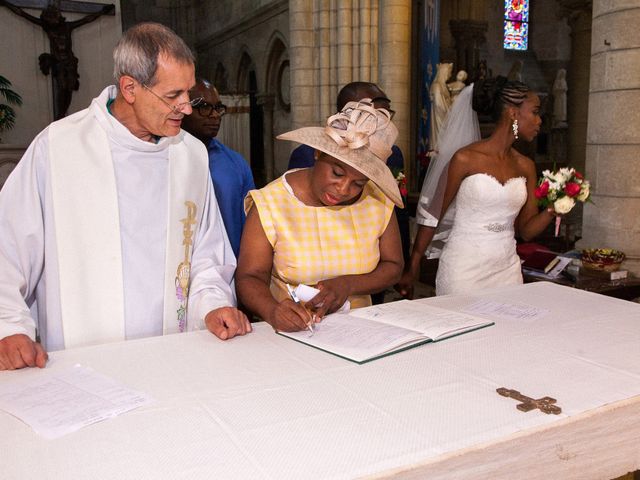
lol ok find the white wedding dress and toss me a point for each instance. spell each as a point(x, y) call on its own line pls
point(481, 250)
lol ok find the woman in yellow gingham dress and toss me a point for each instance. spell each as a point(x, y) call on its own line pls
point(327, 226)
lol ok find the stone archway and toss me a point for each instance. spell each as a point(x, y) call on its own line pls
point(276, 103)
point(221, 78)
point(247, 83)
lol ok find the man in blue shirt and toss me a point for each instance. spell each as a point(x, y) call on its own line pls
point(230, 172)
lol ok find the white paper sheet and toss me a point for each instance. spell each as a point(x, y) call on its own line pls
point(492, 309)
point(57, 404)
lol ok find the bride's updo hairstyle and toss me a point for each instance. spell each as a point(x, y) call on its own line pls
point(492, 95)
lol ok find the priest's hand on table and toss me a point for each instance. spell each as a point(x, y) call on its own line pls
point(19, 351)
point(227, 322)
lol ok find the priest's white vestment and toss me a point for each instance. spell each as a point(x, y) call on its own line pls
point(105, 237)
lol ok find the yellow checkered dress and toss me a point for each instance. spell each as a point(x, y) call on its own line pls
point(311, 244)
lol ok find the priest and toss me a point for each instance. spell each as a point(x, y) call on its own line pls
point(109, 226)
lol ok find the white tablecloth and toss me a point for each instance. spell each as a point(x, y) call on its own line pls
point(264, 406)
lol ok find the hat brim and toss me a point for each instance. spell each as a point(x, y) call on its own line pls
point(361, 159)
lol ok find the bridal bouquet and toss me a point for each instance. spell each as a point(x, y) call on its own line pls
point(561, 189)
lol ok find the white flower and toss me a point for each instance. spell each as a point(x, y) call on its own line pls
point(564, 205)
point(565, 174)
point(584, 192)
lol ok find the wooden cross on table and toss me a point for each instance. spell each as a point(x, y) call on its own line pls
point(545, 404)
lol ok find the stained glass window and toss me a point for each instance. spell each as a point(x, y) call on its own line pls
point(516, 24)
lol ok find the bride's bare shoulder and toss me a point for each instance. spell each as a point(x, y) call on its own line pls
point(474, 150)
point(524, 164)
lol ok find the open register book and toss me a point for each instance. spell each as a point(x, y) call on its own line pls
point(368, 333)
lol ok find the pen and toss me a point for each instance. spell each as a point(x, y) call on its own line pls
point(295, 298)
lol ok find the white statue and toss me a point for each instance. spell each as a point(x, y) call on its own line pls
point(560, 99)
point(458, 84)
point(440, 101)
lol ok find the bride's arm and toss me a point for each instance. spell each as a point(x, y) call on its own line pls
point(458, 170)
point(531, 222)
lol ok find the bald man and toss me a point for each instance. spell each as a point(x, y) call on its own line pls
point(230, 172)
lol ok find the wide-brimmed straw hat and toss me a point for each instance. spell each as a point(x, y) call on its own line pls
point(360, 136)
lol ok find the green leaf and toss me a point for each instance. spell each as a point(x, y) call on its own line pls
point(7, 92)
point(7, 117)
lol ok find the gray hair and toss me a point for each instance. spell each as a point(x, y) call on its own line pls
point(136, 54)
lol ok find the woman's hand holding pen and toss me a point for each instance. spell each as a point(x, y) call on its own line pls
point(288, 316)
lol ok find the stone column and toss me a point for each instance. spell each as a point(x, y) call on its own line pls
point(579, 16)
point(267, 102)
point(303, 85)
point(394, 66)
point(365, 39)
point(323, 27)
point(613, 135)
point(344, 42)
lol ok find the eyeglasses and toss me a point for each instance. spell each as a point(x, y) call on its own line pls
point(206, 109)
point(384, 101)
point(178, 107)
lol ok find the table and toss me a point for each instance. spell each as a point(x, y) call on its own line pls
point(263, 406)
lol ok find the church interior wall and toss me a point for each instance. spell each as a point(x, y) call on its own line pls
point(549, 40)
point(549, 50)
point(214, 17)
point(277, 85)
point(256, 39)
point(226, 49)
point(23, 42)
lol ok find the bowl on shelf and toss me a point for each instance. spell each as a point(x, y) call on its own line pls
point(603, 259)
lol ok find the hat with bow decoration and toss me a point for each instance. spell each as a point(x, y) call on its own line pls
point(361, 136)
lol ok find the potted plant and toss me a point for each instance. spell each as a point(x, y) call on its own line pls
point(7, 113)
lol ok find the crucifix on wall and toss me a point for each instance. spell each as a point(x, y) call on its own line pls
point(60, 62)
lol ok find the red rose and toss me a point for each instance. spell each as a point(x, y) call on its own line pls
point(542, 190)
point(578, 175)
point(572, 189)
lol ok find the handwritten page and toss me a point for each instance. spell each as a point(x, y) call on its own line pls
point(368, 333)
point(57, 404)
point(355, 337)
point(432, 321)
point(493, 309)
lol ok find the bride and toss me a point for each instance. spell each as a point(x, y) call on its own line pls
point(486, 190)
